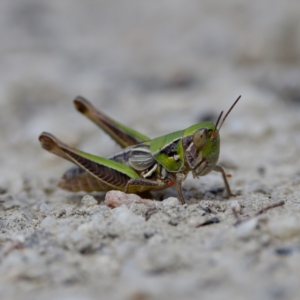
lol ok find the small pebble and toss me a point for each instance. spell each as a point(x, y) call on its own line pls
point(88, 200)
point(173, 222)
point(284, 226)
point(284, 251)
point(246, 227)
point(196, 221)
point(118, 198)
point(126, 217)
point(234, 204)
point(148, 234)
point(48, 222)
point(171, 202)
point(261, 170)
point(87, 227)
point(209, 221)
point(45, 208)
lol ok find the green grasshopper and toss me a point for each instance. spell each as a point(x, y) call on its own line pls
point(144, 164)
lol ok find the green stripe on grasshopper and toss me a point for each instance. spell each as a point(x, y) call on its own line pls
point(110, 164)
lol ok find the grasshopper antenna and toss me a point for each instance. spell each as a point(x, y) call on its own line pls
point(214, 134)
point(230, 109)
point(219, 118)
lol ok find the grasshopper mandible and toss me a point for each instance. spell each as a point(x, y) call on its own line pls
point(144, 164)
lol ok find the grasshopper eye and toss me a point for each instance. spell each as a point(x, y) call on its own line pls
point(200, 138)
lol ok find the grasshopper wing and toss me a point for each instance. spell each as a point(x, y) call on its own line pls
point(122, 134)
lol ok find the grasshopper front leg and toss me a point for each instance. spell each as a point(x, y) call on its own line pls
point(221, 170)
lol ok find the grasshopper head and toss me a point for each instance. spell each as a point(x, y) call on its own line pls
point(203, 153)
point(201, 144)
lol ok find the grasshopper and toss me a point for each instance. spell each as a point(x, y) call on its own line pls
point(144, 164)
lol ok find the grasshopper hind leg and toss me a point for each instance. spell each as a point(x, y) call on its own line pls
point(77, 179)
point(99, 173)
point(122, 134)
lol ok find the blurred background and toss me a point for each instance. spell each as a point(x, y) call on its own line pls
point(157, 66)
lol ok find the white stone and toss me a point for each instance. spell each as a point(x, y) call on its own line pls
point(77, 236)
point(235, 205)
point(48, 222)
point(125, 216)
point(171, 202)
point(284, 226)
point(87, 227)
point(246, 227)
point(97, 218)
point(88, 200)
point(195, 221)
point(45, 208)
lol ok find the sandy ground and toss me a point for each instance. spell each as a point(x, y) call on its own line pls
point(157, 66)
